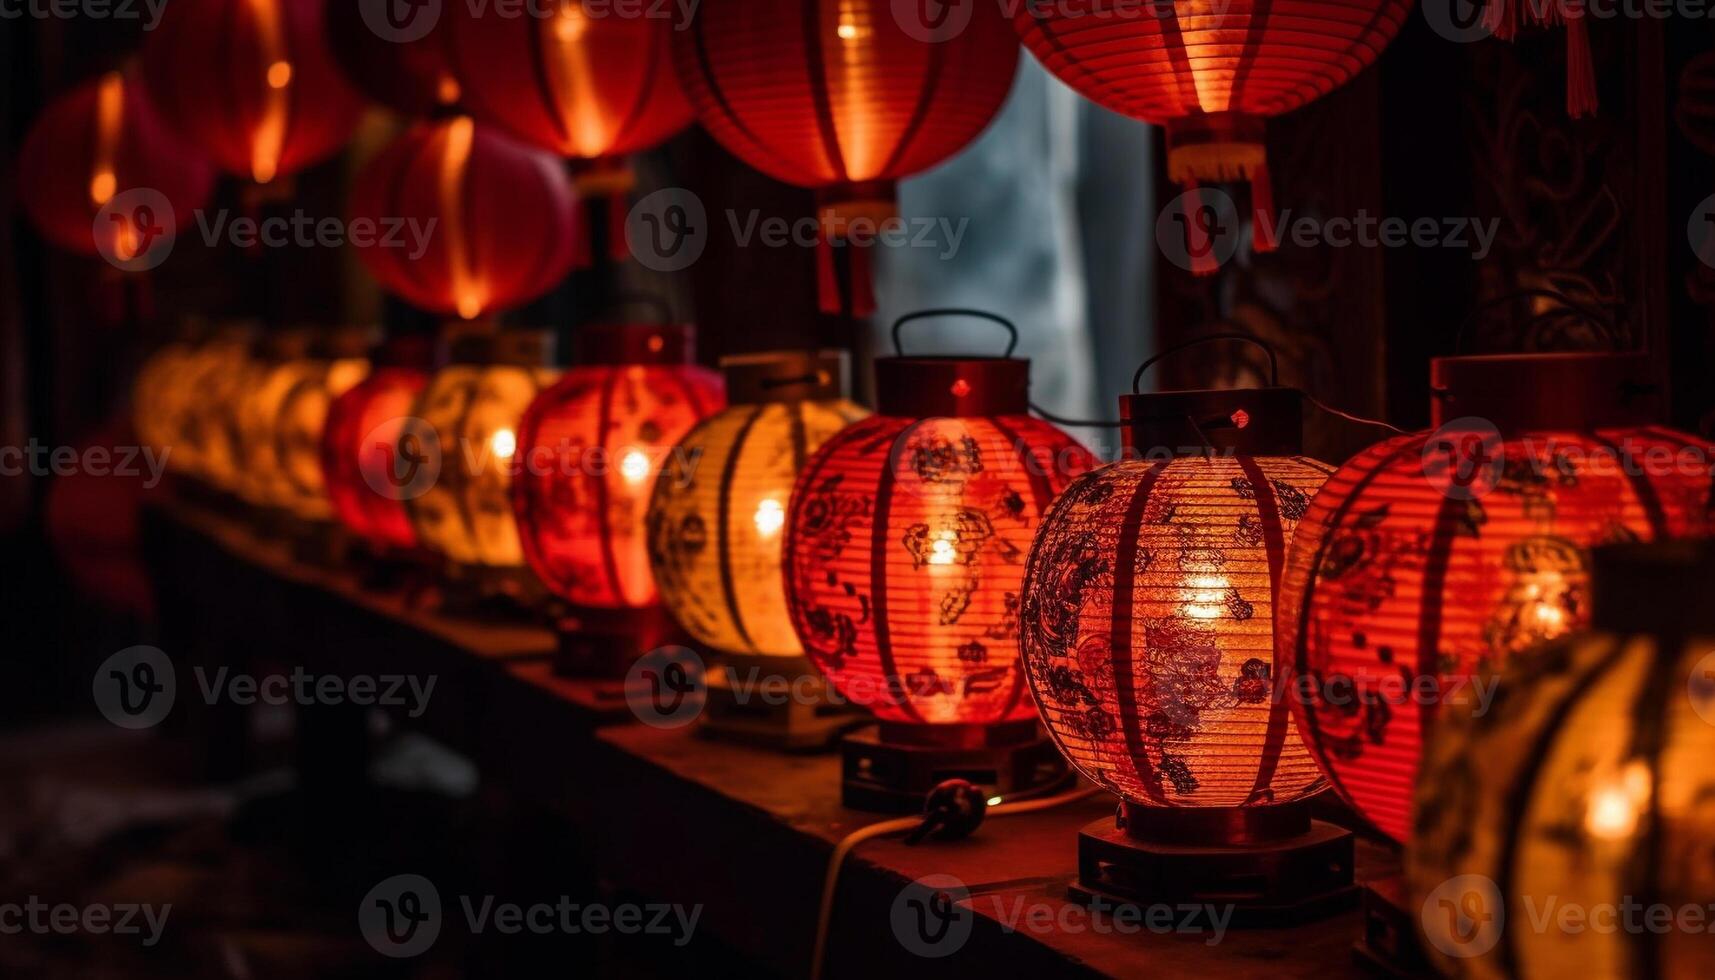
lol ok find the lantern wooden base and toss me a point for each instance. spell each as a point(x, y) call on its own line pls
point(778, 703)
point(891, 768)
point(1390, 945)
point(602, 644)
point(1274, 866)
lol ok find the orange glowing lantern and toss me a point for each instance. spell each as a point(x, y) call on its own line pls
point(905, 548)
point(490, 222)
point(365, 473)
point(847, 97)
point(212, 385)
point(96, 142)
point(1430, 560)
point(281, 418)
point(1211, 74)
point(250, 83)
point(591, 448)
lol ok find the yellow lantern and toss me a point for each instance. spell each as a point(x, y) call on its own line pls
point(216, 384)
point(457, 454)
point(1565, 819)
point(280, 420)
point(159, 402)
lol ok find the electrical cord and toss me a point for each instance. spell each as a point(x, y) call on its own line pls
point(921, 827)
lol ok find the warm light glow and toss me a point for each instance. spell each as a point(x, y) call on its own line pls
point(994, 801)
point(504, 443)
point(770, 517)
point(471, 297)
point(1612, 812)
point(855, 122)
point(280, 74)
point(269, 139)
point(942, 551)
point(448, 91)
point(1206, 597)
point(575, 83)
point(634, 466)
point(848, 31)
point(101, 187)
point(109, 118)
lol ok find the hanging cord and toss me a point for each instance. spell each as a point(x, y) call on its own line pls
point(1011, 328)
point(920, 826)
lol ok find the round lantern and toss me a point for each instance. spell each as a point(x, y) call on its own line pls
point(250, 83)
point(280, 422)
point(457, 452)
point(1431, 559)
point(365, 474)
point(161, 401)
point(94, 143)
point(591, 448)
point(487, 222)
point(214, 385)
point(906, 539)
point(410, 74)
point(1583, 787)
point(1503, 18)
point(846, 98)
point(1211, 75)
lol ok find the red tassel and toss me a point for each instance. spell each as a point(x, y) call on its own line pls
point(618, 248)
point(1500, 18)
point(827, 280)
point(1199, 248)
point(1580, 69)
point(1262, 210)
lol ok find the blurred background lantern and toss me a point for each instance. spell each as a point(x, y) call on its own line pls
point(592, 446)
point(1431, 559)
point(1148, 639)
point(590, 84)
point(717, 524)
point(161, 399)
point(213, 383)
point(905, 548)
point(847, 97)
point(1211, 75)
point(409, 74)
point(361, 461)
point(1585, 783)
point(456, 464)
point(95, 142)
point(489, 222)
point(1504, 18)
point(250, 84)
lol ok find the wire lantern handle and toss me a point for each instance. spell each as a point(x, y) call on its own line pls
point(1011, 328)
point(1257, 342)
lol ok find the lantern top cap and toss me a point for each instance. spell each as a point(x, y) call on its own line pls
point(637, 344)
point(1547, 392)
point(786, 376)
point(1241, 421)
point(1665, 587)
point(951, 387)
point(518, 348)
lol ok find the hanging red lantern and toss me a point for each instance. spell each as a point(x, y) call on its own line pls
point(366, 476)
point(845, 97)
point(1504, 18)
point(467, 221)
point(589, 451)
point(1430, 560)
point(1211, 76)
point(95, 142)
point(1148, 638)
point(904, 563)
point(250, 83)
point(410, 74)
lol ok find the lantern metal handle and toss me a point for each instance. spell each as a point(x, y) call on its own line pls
point(1011, 328)
point(1258, 342)
point(655, 302)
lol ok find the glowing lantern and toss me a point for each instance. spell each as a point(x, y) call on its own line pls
point(1503, 19)
point(160, 402)
point(250, 83)
point(1431, 559)
point(366, 475)
point(95, 142)
point(214, 383)
point(1211, 74)
point(906, 539)
point(281, 418)
point(488, 222)
point(846, 97)
point(410, 75)
point(591, 448)
point(456, 456)
point(1583, 785)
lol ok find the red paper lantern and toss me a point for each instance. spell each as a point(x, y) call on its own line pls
point(366, 476)
point(412, 74)
point(906, 539)
point(488, 223)
point(99, 140)
point(1503, 18)
point(589, 450)
point(1211, 75)
point(250, 83)
point(845, 97)
point(1431, 559)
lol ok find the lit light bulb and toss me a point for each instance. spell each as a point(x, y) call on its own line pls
point(634, 466)
point(942, 551)
point(280, 74)
point(1206, 597)
point(102, 186)
point(848, 31)
point(1612, 812)
point(770, 517)
point(504, 442)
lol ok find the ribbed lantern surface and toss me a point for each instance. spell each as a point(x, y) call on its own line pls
point(360, 456)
